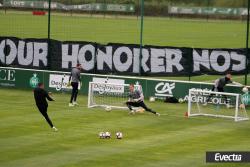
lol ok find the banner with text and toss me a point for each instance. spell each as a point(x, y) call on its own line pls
point(119, 58)
point(207, 10)
point(59, 6)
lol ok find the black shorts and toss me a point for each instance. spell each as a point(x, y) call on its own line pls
point(218, 89)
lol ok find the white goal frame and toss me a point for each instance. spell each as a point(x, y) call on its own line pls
point(236, 116)
point(90, 97)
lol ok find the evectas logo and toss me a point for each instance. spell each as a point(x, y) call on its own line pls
point(232, 157)
point(227, 157)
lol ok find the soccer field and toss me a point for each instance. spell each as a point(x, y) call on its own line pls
point(157, 31)
point(149, 141)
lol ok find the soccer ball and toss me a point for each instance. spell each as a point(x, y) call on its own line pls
point(181, 100)
point(107, 135)
point(108, 108)
point(245, 90)
point(102, 135)
point(152, 99)
point(119, 135)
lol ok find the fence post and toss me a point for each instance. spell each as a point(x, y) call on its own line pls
point(208, 7)
point(141, 34)
point(190, 62)
point(247, 42)
point(49, 43)
point(71, 11)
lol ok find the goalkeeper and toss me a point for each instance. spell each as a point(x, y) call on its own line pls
point(75, 79)
point(219, 85)
point(136, 99)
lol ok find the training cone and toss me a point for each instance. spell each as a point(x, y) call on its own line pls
point(186, 114)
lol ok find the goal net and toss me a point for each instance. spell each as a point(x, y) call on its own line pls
point(216, 104)
point(109, 95)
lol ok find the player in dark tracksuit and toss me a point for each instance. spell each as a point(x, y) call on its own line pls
point(40, 96)
point(136, 99)
point(219, 86)
point(75, 79)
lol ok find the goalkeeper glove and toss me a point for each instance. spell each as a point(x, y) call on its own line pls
point(136, 100)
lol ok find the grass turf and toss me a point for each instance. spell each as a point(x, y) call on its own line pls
point(157, 31)
point(149, 141)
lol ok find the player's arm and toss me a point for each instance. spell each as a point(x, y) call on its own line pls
point(68, 84)
point(216, 84)
point(130, 97)
point(70, 77)
point(48, 96)
point(141, 98)
point(79, 77)
point(237, 83)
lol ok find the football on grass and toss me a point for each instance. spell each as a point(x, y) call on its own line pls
point(108, 108)
point(119, 135)
point(181, 100)
point(107, 135)
point(102, 135)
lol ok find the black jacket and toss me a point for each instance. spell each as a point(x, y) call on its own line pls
point(40, 96)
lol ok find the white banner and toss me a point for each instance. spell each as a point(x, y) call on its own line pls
point(60, 82)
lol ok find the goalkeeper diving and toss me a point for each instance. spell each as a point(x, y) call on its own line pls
point(136, 99)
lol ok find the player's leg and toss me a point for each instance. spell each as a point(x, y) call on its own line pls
point(43, 111)
point(131, 104)
point(72, 94)
point(143, 105)
point(76, 93)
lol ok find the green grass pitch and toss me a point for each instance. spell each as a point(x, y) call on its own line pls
point(149, 141)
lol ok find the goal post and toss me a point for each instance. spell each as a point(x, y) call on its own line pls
point(108, 95)
point(216, 104)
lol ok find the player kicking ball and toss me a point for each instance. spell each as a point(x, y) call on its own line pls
point(40, 96)
point(136, 99)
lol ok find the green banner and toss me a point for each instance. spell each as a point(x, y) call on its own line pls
point(207, 10)
point(60, 6)
point(57, 82)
